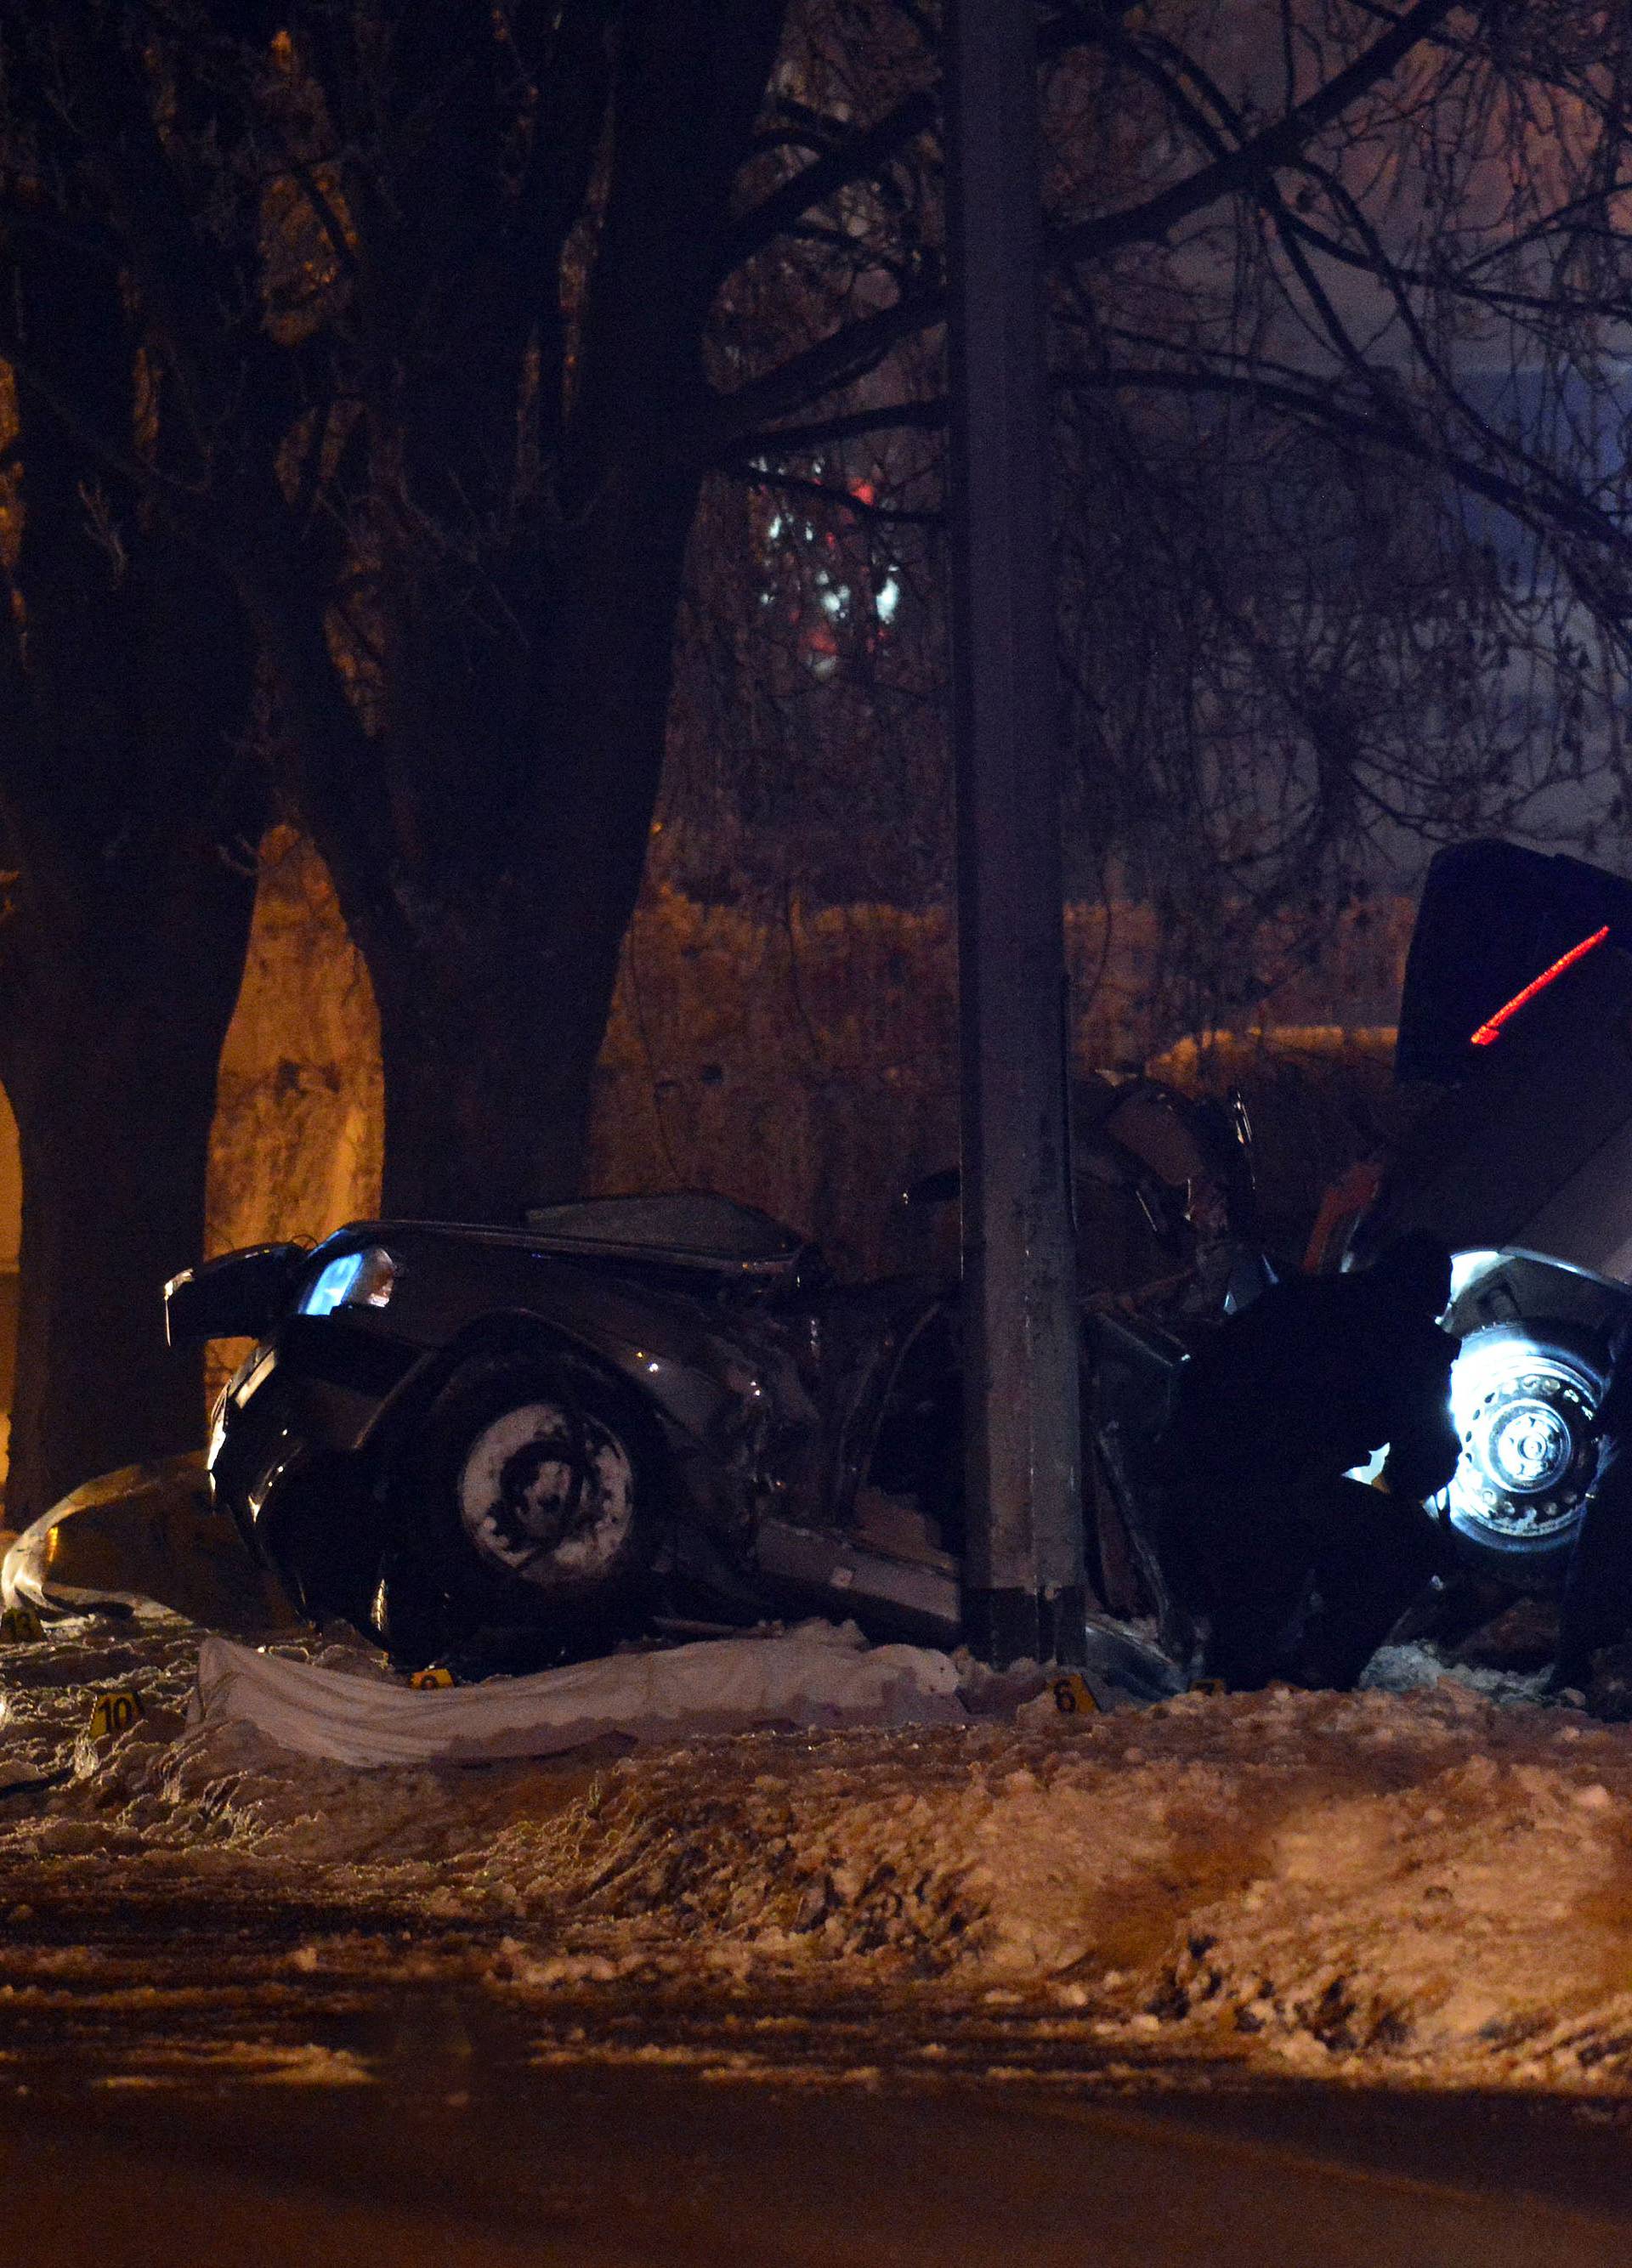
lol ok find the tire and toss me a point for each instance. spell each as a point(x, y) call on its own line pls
point(519, 1518)
point(1522, 1538)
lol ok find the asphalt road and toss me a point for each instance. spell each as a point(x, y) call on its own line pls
point(460, 2149)
point(157, 2111)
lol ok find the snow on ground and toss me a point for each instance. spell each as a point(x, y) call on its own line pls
point(1432, 1884)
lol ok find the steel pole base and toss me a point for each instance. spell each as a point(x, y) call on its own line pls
point(1000, 1627)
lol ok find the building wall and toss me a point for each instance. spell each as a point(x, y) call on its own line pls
point(299, 1108)
point(807, 1066)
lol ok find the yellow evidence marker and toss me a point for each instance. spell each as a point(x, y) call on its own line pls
point(1072, 1695)
point(424, 1681)
point(113, 1713)
point(21, 1626)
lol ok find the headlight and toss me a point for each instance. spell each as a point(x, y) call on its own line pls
point(356, 1279)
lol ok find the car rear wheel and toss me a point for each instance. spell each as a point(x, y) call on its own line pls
point(1526, 1398)
point(520, 1513)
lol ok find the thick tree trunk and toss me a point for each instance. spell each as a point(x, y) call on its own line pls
point(109, 1062)
point(485, 813)
point(126, 681)
point(493, 1015)
point(488, 1055)
point(123, 776)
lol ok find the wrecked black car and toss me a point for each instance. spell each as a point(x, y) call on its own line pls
point(663, 1412)
point(637, 1413)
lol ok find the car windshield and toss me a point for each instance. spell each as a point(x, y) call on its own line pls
point(691, 1223)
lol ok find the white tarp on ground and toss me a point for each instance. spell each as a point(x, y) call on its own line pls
point(814, 1677)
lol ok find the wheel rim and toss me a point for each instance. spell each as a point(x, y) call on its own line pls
point(547, 1496)
point(1526, 1413)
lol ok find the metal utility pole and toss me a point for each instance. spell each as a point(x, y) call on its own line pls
point(1024, 1584)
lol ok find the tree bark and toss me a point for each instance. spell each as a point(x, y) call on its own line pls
point(129, 806)
point(109, 1063)
point(120, 964)
point(493, 1009)
point(522, 715)
point(451, 484)
point(486, 1077)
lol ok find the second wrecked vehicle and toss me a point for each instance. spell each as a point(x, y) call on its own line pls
point(1514, 1062)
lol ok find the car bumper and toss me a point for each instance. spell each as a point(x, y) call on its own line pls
point(288, 1454)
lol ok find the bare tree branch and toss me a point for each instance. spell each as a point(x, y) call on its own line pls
point(823, 433)
point(854, 158)
point(836, 361)
point(1279, 144)
point(760, 476)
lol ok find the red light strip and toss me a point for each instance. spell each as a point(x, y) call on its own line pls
point(1486, 1033)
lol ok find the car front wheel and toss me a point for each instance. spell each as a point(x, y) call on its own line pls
point(519, 1507)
